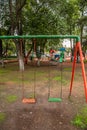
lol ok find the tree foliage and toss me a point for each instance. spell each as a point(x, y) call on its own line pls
point(43, 17)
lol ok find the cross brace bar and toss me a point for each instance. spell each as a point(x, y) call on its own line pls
point(41, 37)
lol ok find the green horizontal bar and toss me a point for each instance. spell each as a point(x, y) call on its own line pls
point(42, 36)
point(54, 99)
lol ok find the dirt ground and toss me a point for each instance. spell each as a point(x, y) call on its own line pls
point(42, 115)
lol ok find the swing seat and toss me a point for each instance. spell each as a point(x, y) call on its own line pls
point(54, 99)
point(29, 100)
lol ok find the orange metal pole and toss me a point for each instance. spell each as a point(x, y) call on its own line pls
point(73, 69)
point(83, 69)
point(78, 47)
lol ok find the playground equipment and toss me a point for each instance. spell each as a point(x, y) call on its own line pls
point(61, 60)
point(31, 99)
point(77, 48)
point(54, 99)
point(62, 50)
point(56, 57)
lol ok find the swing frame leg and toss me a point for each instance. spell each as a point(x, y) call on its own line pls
point(78, 48)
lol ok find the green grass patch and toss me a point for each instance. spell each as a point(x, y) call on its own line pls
point(67, 69)
point(58, 78)
point(3, 71)
point(11, 98)
point(31, 95)
point(14, 79)
point(45, 79)
point(85, 61)
point(2, 117)
point(40, 73)
point(80, 120)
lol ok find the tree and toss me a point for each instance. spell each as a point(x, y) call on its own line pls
point(16, 26)
point(41, 17)
point(1, 49)
point(83, 18)
point(12, 22)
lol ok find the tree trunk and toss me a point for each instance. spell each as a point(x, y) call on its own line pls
point(11, 17)
point(81, 33)
point(16, 24)
point(1, 49)
point(20, 55)
point(38, 62)
point(21, 62)
point(26, 57)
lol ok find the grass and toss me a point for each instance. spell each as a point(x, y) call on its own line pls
point(85, 61)
point(58, 78)
point(6, 75)
point(40, 73)
point(67, 69)
point(31, 95)
point(11, 98)
point(80, 120)
point(2, 117)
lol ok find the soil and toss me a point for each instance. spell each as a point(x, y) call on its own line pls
point(42, 115)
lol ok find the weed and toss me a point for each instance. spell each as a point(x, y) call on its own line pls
point(80, 119)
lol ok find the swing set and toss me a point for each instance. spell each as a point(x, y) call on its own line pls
point(61, 60)
point(33, 98)
point(77, 48)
